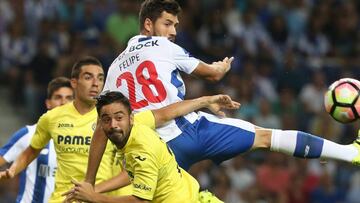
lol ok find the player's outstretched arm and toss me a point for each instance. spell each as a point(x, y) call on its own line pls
point(97, 148)
point(25, 158)
point(116, 182)
point(214, 103)
point(213, 72)
point(85, 192)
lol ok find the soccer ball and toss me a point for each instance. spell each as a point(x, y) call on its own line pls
point(342, 100)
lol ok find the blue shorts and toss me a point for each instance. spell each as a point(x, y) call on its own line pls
point(210, 137)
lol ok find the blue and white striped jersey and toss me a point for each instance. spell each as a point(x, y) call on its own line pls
point(38, 179)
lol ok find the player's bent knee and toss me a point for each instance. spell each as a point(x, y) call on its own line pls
point(262, 138)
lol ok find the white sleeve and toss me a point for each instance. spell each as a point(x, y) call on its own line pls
point(184, 61)
point(109, 79)
point(18, 142)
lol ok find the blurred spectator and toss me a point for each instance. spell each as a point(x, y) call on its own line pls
point(327, 191)
point(274, 177)
point(16, 51)
point(222, 186)
point(312, 94)
point(36, 11)
point(313, 44)
point(7, 15)
point(89, 27)
point(354, 189)
point(296, 15)
point(232, 17)
point(38, 75)
point(70, 11)
point(263, 80)
point(249, 106)
point(124, 17)
point(253, 38)
point(266, 118)
point(303, 182)
point(242, 177)
point(291, 75)
point(280, 37)
point(212, 37)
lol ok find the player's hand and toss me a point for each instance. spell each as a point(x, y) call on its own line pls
point(218, 102)
point(225, 64)
point(7, 174)
point(82, 191)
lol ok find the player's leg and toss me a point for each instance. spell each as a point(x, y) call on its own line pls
point(187, 146)
point(225, 138)
point(210, 140)
point(305, 145)
point(222, 139)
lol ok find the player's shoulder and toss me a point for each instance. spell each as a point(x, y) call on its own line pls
point(60, 110)
point(143, 139)
point(143, 115)
point(153, 41)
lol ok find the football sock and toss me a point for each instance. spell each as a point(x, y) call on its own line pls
point(304, 145)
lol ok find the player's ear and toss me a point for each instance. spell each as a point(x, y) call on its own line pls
point(73, 82)
point(148, 25)
point(47, 104)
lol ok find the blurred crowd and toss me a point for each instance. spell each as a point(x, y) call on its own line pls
point(286, 53)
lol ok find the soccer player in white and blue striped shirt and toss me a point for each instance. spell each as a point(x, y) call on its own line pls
point(37, 181)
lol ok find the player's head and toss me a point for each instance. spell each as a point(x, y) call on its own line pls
point(159, 18)
point(115, 117)
point(59, 92)
point(87, 79)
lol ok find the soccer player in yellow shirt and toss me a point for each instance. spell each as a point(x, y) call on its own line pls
point(71, 127)
point(150, 164)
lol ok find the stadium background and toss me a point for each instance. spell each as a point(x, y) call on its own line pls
point(286, 54)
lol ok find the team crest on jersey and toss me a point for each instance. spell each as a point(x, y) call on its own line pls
point(93, 126)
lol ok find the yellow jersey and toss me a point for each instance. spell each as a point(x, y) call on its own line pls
point(152, 168)
point(71, 133)
point(117, 168)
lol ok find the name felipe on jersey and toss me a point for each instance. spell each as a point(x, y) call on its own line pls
point(129, 61)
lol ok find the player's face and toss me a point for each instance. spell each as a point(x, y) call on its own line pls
point(165, 26)
point(60, 97)
point(116, 123)
point(89, 84)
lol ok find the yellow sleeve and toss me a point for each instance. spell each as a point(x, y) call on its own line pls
point(42, 136)
point(145, 118)
point(145, 175)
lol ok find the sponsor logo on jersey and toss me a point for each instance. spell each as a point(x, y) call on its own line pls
point(142, 187)
point(73, 140)
point(142, 45)
point(65, 125)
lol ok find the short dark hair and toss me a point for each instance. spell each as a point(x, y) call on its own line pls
point(56, 84)
point(112, 97)
point(86, 60)
point(152, 9)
